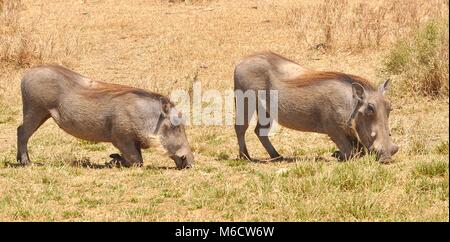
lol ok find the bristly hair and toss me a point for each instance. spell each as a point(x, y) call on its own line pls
point(310, 77)
point(103, 88)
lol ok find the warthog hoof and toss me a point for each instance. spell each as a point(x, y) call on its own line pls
point(119, 161)
point(339, 155)
point(387, 160)
point(25, 163)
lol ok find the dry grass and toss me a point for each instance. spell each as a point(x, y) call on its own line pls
point(15, 46)
point(24, 43)
point(162, 45)
point(357, 25)
point(419, 62)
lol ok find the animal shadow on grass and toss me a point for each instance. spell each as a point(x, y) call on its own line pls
point(86, 163)
point(153, 167)
point(289, 159)
point(19, 165)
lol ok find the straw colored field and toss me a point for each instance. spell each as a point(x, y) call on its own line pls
point(164, 45)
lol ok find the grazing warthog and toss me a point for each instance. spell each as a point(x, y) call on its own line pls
point(129, 118)
point(349, 109)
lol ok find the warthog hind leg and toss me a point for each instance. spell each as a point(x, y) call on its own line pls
point(33, 118)
point(246, 112)
point(262, 133)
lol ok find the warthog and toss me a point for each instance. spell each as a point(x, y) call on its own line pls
point(129, 118)
point(348, 108)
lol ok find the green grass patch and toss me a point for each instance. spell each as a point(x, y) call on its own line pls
point(425, 186)
point(92, 146)
point(434, 168)
point(72, 214)
point(360, 175)
point(306, 170)
point(441, 148)
point(237, 162)
point(222, 155)
point(417, 147)
point(420, 62)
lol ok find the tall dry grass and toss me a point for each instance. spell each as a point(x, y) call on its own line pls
point(343, 25)
point(16, 46)
point(21, 45)
point(415, 33)
point(420, 62)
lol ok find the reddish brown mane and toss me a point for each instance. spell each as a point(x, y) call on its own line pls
point(103, 88)
point(311, 77)
point(116, 89)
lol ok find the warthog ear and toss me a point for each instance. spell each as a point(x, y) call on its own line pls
point(165, 107)
point(358, 91)
point(358, 97)
point(385, 86)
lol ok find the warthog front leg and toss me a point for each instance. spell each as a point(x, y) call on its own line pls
point(346, 150)
point(357, 149)
point(117, 160)
point(131, 153)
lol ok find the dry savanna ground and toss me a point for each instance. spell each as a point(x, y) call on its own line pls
point(163, 45)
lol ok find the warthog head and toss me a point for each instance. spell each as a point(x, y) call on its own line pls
point(370, 120)
point(173, 136)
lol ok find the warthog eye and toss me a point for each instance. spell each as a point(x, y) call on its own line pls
point(370, 108)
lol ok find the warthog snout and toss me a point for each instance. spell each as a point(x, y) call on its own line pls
point(173, 136)
point(394, 149)
point(184, 161)
point(386, 156)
